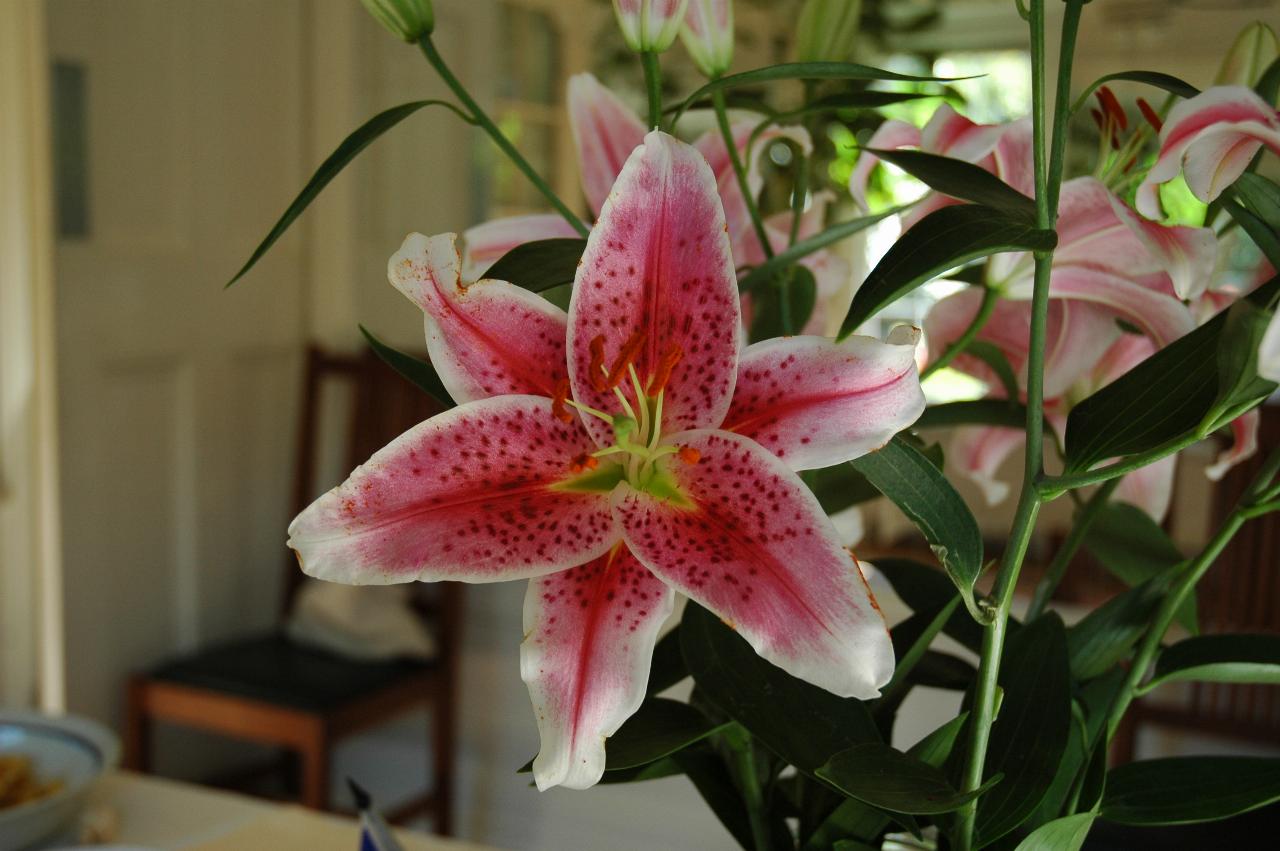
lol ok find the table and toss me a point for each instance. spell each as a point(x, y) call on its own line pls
point(155, 813)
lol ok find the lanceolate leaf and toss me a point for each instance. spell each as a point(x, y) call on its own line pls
point(539, 265)
point(980, 412)
point(1238, 381)
point(1031, 731)
point(878, 775)
point(924, 588)
point(798, 71)
point(937, 746)
point(668, 666)
point(1064, 834)
point(1220, 659)
point(840, 487)
point(1106, 634)
point(959, 179)
point(1134, 549)
point(1168, 82)
point(1185, 790)
point(916, 486)
point(769, 269)
point(799, 722)
point(800, 292)
point(940, 241)
point(417, 372)
point(364, 135)
point(710, 777)
point(833, 103)
point(990, 354)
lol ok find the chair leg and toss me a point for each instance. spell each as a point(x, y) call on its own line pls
point(315, 770)
point(442, 752)
point(137, 728)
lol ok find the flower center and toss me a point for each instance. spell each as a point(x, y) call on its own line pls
point(637, 449)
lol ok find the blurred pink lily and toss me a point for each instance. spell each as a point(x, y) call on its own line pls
point(620, 453)
point(708, 35)
point(1269, 351)
point(1211, 138)
point(649, 24)
point(606, 131)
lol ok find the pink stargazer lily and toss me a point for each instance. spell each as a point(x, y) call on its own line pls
point(1211, 138)
point(621, 453)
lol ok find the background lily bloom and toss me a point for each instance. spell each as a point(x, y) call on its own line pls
point(1269, 352)
point(708, 35)
point(621, 453)
point(1211, 138)
point(649, 24)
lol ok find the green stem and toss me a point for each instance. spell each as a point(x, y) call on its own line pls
point(653, 86)
point(989, 299)
point(504, 144)
point(1048, 179)
point(1052, 487)
point(1182, 587)
point(726, 131)
point(1062, 558)
point(744, 765)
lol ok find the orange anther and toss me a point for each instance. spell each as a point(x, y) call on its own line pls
point(1153, 118)
point(595, 372)
point(689, 455)
point(558, 410)
point(626, 357)
point(583, 462)
point(663, 373)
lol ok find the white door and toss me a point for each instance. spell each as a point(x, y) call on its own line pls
point(179, 133)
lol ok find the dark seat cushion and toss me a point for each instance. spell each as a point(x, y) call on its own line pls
point(275, 670)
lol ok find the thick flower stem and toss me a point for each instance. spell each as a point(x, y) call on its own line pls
point(1048, 158)
point(1248, 507)
point(652, 87)
point(740, 171)
point(989, 299)
point(504, 144)
point(739, 743)
point(1062, 558)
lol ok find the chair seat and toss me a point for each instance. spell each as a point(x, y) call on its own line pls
point(275, 670)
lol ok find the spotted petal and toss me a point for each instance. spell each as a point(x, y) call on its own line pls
point(487, 242)
point(486, 339)
point(657, 271)
point(589, 636)
point(605, 131)
point(748, 541)
point(814, 402)
point(480, 493)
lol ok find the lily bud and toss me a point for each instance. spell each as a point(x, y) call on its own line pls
point(708, 35)
point(409, 20)
point(827, 30)
point(1254, 50)
point(649, 25)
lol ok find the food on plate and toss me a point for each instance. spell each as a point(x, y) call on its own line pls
point(19, 783)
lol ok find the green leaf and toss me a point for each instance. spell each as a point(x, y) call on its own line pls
point(1238, 380)
point(959, 179)
point(918, 488)
point(996, 412)
point(851, 818)
point(364, 135)
point(668, 666)
point(1262, 234)
point(716, 786)
point(940, 241)
point(990, 354)
point(417, 372)
point(1064, 834)
point(1106, 634)
point(866, 99)
point(1220, 659)
point(934, 748)
point(1031, 731)
point(878, 775)
point(840, 487)
point(852, 845)
point(801, 723)
point(798, 71)
point(659, 728)
point(924, 588)
point(1186, 790)
point(769, 269)
point(801, 292)
point(1134, 549)
point(1168, 82)
point(539, 265)
point(1268, 86)
point(656, 770)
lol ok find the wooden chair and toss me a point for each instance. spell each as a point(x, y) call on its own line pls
point(1241, 593)
point(266, 688)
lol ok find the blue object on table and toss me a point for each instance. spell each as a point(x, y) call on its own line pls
point(374, 833)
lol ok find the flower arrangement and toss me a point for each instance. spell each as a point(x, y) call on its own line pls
point(685, 426)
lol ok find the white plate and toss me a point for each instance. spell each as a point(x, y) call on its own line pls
point(73, 750)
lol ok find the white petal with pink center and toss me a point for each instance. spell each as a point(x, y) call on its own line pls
point(487, 339)
point(480, 493)
point(814, 402)
point(748, 541)
point(589, 637)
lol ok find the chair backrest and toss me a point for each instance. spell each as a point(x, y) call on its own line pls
point(373, 405)
point(1241, 593)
